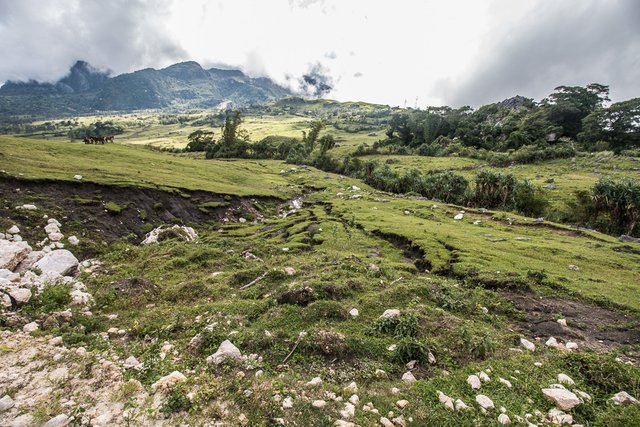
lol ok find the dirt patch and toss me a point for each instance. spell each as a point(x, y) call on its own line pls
point(135, 286)
point(591, 326)
point(108, 213)
point(412, 252)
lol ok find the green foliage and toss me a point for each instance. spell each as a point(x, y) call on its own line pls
point(403, 326)
point(621, 201)
point(199, 140)
point(114, 208)
point(98, 128)
point(234, 141)
point(409, 348)
point(617, 126)
point(176, 400)
point(54, 297)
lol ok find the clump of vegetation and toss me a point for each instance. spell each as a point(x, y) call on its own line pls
point(114, 208)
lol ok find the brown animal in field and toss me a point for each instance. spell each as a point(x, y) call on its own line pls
point(87, 140)
point(108, 138)
point(98, 139)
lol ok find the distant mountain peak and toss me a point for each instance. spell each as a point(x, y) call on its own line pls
point(86, 89)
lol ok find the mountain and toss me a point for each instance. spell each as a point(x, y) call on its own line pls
point(184, 85)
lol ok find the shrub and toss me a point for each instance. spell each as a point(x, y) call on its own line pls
point(403, 326)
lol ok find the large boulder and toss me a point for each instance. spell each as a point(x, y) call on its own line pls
point(29, 261)
point(57, 263)
point(563, 399)
point(226, 351)
point(11, 253)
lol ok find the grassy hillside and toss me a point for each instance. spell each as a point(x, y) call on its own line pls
point(122, 165)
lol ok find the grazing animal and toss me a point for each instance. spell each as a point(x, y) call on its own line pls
point(108, 138)
point(87, 140)
point(98, 139)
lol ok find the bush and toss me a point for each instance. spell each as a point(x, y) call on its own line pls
point(403, 326)
point(621, 201)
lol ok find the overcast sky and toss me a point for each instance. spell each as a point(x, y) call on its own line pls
point(455, 52)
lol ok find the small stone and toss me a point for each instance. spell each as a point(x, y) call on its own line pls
point(551, 342)
point(395, 390)
point(314, 381)
point(132, 363)
point(168, 381)
point(623, 398)
point(474, 382)
point(528, 345)
point(565, 379)
point(318, 404)
point(77, 177)
point(290, 271)
point(461, 406)
point(226, 350)
point(458, 217)
point(354, 312)
point(349, 411)
point(446, 400)
point(484, 402)
point(391, 313)
point(30, 327)
point(504, 419)
point(287, 403)
point(408, 377)
point(505, 382)
point(380, 373)
point(411, 364)
point(431, 358)
point(562, 322)
point(484, 377)
point(58, 421)
point(402, 403)
point(352, 387)
point(571, 345)
point(6, 403)
point(573, 267)
point(73, 240)
point(537, 364)
point(13, 230)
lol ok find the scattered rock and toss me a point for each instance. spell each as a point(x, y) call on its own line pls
point(12, 253)
point(565, 379)
point(30, 327)
point(402, 403)
point(314, 382)
point(159, 234)
point(6, 403)
point(458, 217)
point(73, 240)
point(563, 399)
point(385, 422)
point(57, 263)
point(573, 267)
point(354, 312)
point(287, 402)
point(168, 381)
point(132, 363)
point(484, 402)
point(318, 404)
point(571, 345)
point(461, 406)
point(623, 398)
point(431, 359)
point(20, 295)
point(504, 419)
point(474, 382)
point(551, 342)
point(446, 400)
point(408, 377)
point(77, 177)
point(393, 312)
point(528, 345)
point(13, 230)
point(349, 411)
point(61, 420)
point(562, 322)
point(290, 271)
point(226, 351)
point(505, 382)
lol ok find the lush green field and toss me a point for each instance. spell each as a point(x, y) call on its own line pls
point(138, 166)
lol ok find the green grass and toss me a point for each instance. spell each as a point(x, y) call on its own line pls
point(122, 165)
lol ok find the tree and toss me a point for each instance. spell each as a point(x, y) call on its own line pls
point(234, 141)
point(618, 125)
point(569, 105)
point(309, 140)
point(199, 140)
